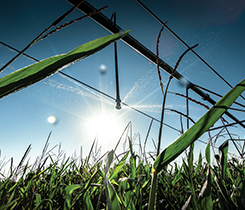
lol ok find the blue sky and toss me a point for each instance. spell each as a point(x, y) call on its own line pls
point(218, 27)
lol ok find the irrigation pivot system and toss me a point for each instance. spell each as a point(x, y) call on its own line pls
point(104, 21)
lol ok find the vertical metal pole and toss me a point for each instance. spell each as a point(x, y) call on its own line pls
point(118, 100)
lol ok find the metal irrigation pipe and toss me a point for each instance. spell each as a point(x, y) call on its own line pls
point(94, 89)
point(118, 100)
point(101, 19)
point(184, 43)
point(152, 118)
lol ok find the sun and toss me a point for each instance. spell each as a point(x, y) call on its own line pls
point(106, 127)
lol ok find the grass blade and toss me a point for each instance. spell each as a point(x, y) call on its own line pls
point(223, 149)
point(191, 157)
point(69, 190)
point(205, 198)
point(200, 127)
point(113, 200)
point(38, 71)
point(177, 176)
point(207, 153)
point(118, 167)
point(109, 160)
point(224, 198)
point(199, 164)
point(242, 198)
point(86, 198)
point(8, 205)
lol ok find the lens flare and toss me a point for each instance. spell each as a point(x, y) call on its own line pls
point(103, 69)
point(51, 119)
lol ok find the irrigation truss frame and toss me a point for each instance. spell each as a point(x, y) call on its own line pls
point(112, 27)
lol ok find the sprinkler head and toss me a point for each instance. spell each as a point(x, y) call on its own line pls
point(118, 106)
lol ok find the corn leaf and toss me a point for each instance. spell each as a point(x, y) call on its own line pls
point(88, 204)
point(224, 198)
point(113, 200)
point(207, 153)
point(133, 168)
point(200, 127)
point(109, 160)
point(38, 71)
point(191, 157)
point(69, 190)
point(222, 202)
point(223, 150)
point(199, 164)
point(8, 205)
point(242, 197)
point(177, 176)
point(118, 167)
point(205, 198)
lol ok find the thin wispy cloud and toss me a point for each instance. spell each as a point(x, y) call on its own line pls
point(86, 92)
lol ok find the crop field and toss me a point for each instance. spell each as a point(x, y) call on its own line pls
point(123, 181)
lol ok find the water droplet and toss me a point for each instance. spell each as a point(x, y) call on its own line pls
point(103, 69)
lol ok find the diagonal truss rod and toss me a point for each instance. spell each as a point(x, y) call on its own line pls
point(101, 19)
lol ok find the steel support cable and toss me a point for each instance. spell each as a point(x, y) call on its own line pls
point(96, 90)
point(184, 43)
point(219, 127)
point(101, 19)
point(152, 118)
point(55, 23)
point(216, 94)
point(131, 107)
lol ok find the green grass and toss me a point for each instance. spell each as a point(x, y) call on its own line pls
point(124, 182)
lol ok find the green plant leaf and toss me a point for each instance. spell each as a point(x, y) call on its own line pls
point(113, 200)
point(38, 71)
point(200, 127)
point(177, 176)
point(207, 153)
point(118, 167)
point(224, 198)
point(133, 168)
point(205, 198)
point(223, 150)
point(199, 164)
point(8, 205)
point(109, 160)
point(241, 201)
point(191, 157)
point(151, 204)
point(69, 190)
point(88, 204)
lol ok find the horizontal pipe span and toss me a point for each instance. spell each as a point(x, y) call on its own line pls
point(101, 19)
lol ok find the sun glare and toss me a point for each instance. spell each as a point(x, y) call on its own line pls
point(106, 127)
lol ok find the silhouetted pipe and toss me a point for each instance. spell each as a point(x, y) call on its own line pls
point(101, 19)
point(118, 100)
